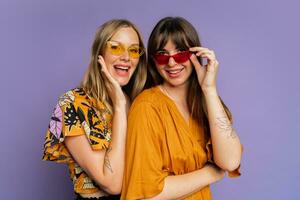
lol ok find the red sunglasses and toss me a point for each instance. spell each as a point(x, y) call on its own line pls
point(180, 57)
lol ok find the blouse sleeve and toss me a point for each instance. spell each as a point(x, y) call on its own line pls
point(73, 116)
point(209, 150)
point(144, 175)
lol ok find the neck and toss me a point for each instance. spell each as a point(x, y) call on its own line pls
point(177, 93)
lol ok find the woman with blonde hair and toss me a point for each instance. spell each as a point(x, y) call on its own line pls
point(180, 137)
point(87, 130)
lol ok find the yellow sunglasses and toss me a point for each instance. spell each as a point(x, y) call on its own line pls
point(117, 48)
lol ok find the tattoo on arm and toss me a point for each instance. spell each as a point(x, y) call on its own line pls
point(225, 126)
point(106, 160)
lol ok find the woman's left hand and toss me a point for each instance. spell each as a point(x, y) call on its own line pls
point(207, 75)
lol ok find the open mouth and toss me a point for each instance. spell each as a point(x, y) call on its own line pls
point(174, 72)
point(122, 68)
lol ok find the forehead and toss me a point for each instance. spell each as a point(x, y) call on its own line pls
point(170, 45)
point(126, 35)
point(174, 40)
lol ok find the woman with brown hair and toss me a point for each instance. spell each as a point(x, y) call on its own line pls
point(180, 137)
point(87, 130)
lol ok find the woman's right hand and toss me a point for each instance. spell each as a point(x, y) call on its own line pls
point(216, 172)
point(114, 89)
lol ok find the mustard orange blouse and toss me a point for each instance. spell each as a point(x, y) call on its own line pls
point(161, 143)
point(77, 114)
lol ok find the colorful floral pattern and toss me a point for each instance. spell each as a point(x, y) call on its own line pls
point(77, 114)
point(55, 125)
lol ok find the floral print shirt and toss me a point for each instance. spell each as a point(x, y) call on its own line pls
point(77, 114)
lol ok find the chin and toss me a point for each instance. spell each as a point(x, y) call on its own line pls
point(176, 83)
point(122, 82)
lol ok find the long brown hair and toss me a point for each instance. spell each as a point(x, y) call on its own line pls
point(93, 80)
point(183, 35)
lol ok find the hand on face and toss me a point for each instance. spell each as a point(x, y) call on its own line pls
point(207, 75)
point(119, 61)
point(113, 87)
point(119, 55)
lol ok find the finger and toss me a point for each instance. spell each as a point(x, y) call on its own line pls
point(195, 61)
point(210, 57)
point(200, 50)
point(104, 69)
point(201, 71)
point(102, 63)
point(200, 53)
point(194, 49)
point(212, 64)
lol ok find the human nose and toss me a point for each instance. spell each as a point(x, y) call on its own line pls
point(171, 62)
point(125, 55)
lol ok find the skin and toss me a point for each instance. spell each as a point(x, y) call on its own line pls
point(179, 84)
point(126, 36)
point(106, 166)
point(226, 145)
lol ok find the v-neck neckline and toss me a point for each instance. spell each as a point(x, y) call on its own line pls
point(187, 123)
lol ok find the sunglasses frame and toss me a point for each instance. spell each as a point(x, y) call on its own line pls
point(177, 58)
point(124, 48)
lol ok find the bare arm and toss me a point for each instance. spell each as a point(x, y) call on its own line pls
point(225, 142)
point(181, 186)
point(105, 167)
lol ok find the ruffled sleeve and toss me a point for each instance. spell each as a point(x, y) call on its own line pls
point(209, 151)
point(76, 115)
point(143, 175)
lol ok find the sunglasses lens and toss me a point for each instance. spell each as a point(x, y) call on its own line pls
point(135, 51)
point(161, 59)
point(182, 56)
point(115, 48)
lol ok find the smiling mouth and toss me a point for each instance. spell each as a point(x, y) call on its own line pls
point(173, 72)
point(123, 68)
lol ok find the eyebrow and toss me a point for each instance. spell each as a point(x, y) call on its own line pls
point(164, 50)
point(123, 43)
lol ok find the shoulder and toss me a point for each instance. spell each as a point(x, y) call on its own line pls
point(151, 97)
point(79, 98)
point(73, 96)
point(82, 114)
point(148, 104)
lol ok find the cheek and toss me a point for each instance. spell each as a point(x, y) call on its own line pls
point(105, 56)
point(109, 60)
point(159, 67)
point(160, 70)
point(135, 63)
point(189, 66)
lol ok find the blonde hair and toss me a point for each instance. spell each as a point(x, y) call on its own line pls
point(183, 35)
point(93, 80)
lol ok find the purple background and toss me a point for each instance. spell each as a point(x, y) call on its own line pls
point(44, 51)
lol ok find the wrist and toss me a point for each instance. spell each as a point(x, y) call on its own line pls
point(120, 106)
point(210, 91)
point(215, 172)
